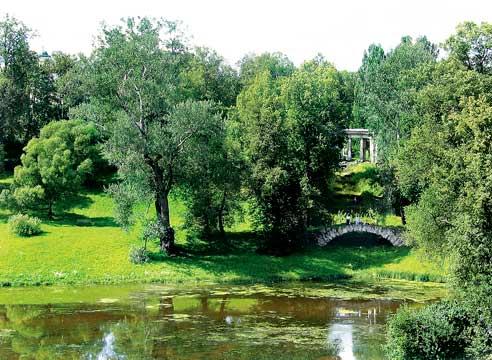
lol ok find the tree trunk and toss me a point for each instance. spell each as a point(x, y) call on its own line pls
point(166, 234)
point(221, 215)
point(402, 214)
point(50, 210)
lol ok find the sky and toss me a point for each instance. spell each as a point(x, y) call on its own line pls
point(340, 30)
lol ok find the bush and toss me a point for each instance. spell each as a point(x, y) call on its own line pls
point(24, 225)
point(437, 331)
point(139, 255)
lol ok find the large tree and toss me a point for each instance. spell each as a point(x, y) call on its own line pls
point(27, 88)
point(276, 64)
point(274, 176)
point(317, 112)
point(209, 77)
point(291, 132)
point(154, 133)
point(472, 46)
point(384, 101)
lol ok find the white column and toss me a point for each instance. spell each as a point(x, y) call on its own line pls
point(371, 150)
point(362, 149)
point(349, 149)
point(375, 152)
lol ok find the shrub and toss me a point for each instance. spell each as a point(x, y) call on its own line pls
point(24, 225)
point(437, 331)
point(339, 218)
point(139, 255)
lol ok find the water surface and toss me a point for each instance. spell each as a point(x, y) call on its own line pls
point(288, 321)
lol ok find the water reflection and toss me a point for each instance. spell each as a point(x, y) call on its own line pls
point(108, 350)
point(341, 334)
point(154, 323)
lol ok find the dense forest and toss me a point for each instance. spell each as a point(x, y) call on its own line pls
point(146, 115)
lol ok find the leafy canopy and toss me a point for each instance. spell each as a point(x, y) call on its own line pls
point(54, 165)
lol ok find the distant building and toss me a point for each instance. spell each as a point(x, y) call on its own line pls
point(44, 56)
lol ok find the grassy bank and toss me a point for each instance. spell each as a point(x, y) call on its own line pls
point(85, 246)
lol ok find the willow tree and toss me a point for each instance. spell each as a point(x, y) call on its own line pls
point(154, 132)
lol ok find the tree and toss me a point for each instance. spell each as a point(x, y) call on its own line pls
point(448, 83)
point(291, 133)
point(316, 112)
point(213, 180)
point(57, 66)
point(451, 216)
point(27, 88)
point(371, 61)
point(54, 166)
point(210, 78)
point(385, 102)
point(384, 98)
point(273, 179)
point(155, 132)
point(212, 185)
point(277, 64)
point(472, 46)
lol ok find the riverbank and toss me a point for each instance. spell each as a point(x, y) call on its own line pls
point(95, 251)
point(85, 246)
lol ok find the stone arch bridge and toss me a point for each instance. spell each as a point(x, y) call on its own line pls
point(392, 235)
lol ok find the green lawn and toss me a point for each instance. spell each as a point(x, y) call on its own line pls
point(86, 246)
point(357, 190)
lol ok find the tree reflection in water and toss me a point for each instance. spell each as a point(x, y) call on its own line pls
point(152, 325)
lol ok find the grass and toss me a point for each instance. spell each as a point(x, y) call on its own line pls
point(85, 246)
point(357, 190)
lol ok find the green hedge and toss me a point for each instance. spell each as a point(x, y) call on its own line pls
point(437, 331)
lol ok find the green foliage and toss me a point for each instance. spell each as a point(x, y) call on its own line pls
point(209, 78)
point(138, 255)
point(437, 331)
point(471, 46)
point(449, 179)
point(54, 165)
point(2, 158)
point(291, 138)
point(143, 76)
point(22, 198)
point(24, 225)
point(27, 88)
point(276, 64)
point(87, 233)
point(273, 182)
point(212, 184)
point(315, 115)
point(384, 99)
point(478, 302)
point(443, 170)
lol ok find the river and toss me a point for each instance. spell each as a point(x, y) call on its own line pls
point(284, 321)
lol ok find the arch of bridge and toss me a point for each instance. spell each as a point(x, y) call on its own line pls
point(394, 236)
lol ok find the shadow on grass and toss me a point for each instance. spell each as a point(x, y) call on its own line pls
point(79, 201)
point(237, 258)
point(71, 219)
point(4, 216)
point(231, 243)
